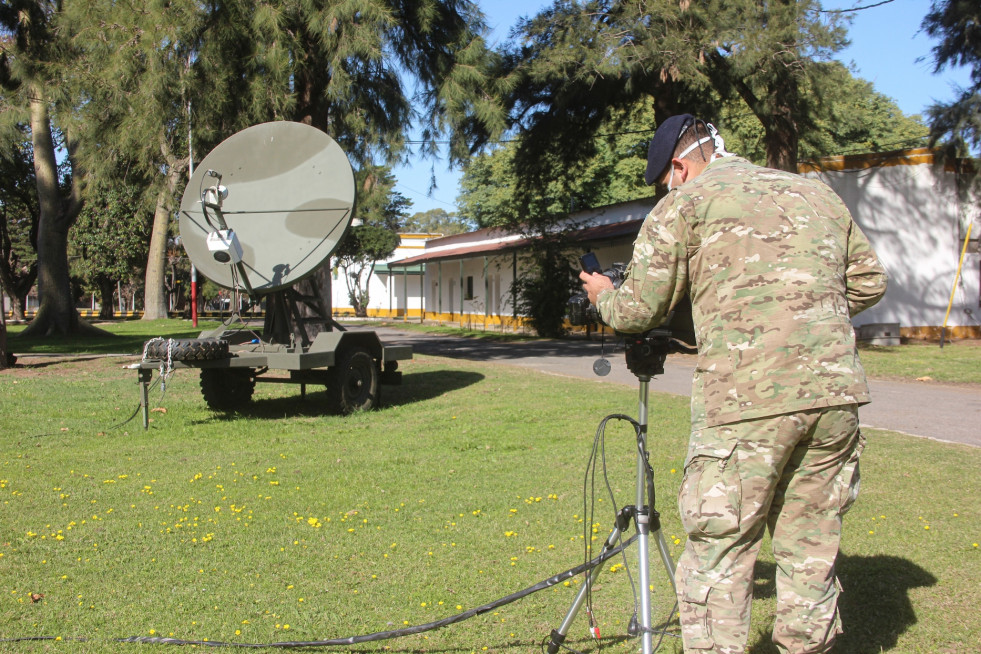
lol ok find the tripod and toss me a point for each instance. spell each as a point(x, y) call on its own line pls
point(645, 355)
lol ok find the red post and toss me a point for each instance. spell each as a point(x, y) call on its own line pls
point(194, 296)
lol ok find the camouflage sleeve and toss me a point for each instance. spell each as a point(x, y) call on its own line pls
point(865, 278)
point(657, 276)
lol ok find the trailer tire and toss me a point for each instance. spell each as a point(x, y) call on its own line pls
point(186, 349)
point(353, 383)
point(227, 389)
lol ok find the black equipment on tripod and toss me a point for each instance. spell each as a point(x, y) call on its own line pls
point(645, 357)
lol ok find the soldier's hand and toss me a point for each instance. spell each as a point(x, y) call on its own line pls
point(594, 284)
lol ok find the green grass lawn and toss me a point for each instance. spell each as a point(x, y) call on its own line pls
point(958, 362)
point(122, 337)
point(281, 523)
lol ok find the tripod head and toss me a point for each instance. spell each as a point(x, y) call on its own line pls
point(646, 352)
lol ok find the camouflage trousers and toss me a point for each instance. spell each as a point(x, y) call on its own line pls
point(796, 474)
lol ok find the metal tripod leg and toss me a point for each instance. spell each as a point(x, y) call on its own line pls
point(648, 524)
point(144, 379)
point(558, 635)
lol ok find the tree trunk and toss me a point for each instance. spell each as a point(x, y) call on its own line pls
point(155, 286)
point(310, 111)
point(155, 292)
point(107, 289)
point(17, 289)
point(16, 281)
point(56, 313)
point(781, 145)
point(4, 362)
point(18, 307)
point(780, 126)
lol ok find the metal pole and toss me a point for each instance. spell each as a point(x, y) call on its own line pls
point(194, 295)
point(950, 303)
point(643, 524)
point(190, 174)
point(514, 289)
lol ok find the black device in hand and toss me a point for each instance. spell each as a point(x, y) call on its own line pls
point(590, 263)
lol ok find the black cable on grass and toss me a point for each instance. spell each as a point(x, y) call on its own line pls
point(354, 640)
point(111, 427)
point(598, 453)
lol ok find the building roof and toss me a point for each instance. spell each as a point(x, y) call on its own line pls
point(462, 252)
point(614, 231)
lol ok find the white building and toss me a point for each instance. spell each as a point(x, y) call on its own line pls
point(915, 212)
point(384, 298)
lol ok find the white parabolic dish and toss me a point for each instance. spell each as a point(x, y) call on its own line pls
point(290, 201)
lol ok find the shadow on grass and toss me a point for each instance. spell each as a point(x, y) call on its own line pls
point(415, 387)
point(875, 605)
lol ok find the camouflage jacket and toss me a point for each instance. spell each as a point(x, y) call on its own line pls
point(775, 268)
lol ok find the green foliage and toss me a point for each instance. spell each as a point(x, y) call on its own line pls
point(111, 238)
point(33, 52)
point(491, 183)
point(341, 65)
point(145, 82)
point(19, 214)
point(957, 23)
point(437, 221)
point(544, 287)
point(847, 115)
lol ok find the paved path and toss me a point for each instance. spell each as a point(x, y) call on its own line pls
point(938, 411)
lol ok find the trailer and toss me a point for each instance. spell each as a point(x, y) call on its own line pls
point(264, 210)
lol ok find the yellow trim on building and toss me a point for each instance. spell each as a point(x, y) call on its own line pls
point(839, 163)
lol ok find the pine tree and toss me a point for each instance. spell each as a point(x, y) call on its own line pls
point(141, 80)
point(31, 57)
point(18, 219)
point(360, 71)
point(111, 238)
point(578, 60)
point(958, 25)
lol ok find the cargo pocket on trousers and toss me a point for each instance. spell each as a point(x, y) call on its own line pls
point(850, 478)
point(695, 627)
point(710, 495)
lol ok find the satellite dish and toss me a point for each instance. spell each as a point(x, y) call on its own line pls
point(267, 206)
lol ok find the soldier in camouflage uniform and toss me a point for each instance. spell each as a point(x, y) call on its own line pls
point(775, 268)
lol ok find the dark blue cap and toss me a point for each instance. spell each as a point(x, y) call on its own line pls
point(663, 144)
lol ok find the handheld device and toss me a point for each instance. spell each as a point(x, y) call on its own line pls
point(590, 263)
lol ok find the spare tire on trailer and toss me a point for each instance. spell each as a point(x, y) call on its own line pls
point(186, 349)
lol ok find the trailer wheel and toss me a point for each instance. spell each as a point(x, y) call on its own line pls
point(186, 349)
point(227, 389)
point(353, 383)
